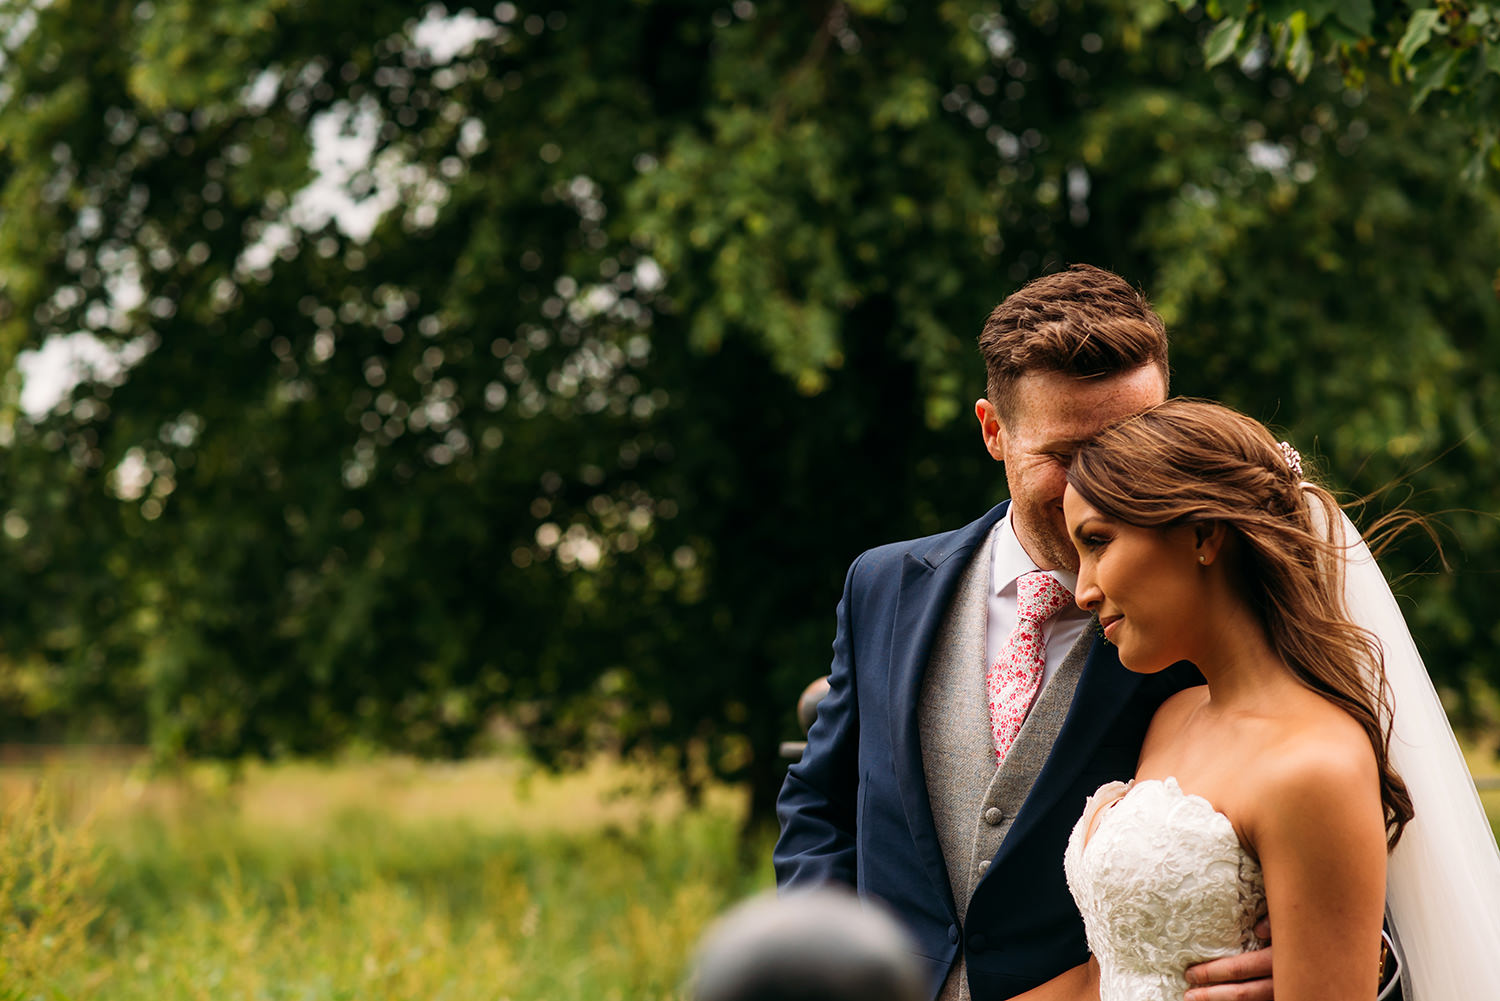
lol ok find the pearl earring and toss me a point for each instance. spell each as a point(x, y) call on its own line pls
point(1203, 559)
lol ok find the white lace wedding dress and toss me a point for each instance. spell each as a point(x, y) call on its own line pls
point(1162, 883)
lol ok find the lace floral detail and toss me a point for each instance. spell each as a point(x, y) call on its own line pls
point(1162, 883)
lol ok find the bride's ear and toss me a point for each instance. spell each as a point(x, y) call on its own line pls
point(1209, 538)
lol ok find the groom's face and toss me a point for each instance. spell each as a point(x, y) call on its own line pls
point(1052, 413)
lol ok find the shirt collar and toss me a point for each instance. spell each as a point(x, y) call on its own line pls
point(1010, 561)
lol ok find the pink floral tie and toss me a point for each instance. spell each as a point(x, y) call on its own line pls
point(1016, 676)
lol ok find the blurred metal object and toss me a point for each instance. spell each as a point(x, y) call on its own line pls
point(807, 712)
point(807, 703)
point(1390, 970)
point(818, 945)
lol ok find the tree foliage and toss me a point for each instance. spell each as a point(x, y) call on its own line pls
point(549, 365)
point(1446, 51)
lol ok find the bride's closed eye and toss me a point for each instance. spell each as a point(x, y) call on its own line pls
point(1093, 542)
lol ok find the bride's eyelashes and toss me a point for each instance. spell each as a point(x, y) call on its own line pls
point(1093, 542)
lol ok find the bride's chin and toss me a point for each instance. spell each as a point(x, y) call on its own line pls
point(1139, 665)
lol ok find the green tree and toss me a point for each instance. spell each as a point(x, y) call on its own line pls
point(1446, 52)
point(552, 364)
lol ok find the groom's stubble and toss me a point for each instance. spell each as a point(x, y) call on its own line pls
point(1051, 414)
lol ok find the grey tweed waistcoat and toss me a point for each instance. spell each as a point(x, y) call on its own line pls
point(973, 803)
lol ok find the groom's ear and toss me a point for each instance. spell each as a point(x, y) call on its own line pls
point(1208, 540)
point(992, 428)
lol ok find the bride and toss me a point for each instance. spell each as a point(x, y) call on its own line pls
point(1278, 789)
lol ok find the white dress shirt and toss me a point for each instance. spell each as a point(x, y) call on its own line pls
point(1059, 632)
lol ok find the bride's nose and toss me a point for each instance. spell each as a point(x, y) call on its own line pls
point(1088, 596)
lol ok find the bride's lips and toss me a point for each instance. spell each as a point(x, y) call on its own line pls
point(1108, 624)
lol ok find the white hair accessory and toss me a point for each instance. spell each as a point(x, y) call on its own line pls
point(1293, 459)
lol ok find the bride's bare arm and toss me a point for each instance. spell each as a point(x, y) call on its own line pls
point(1081, 983)
point(1320, 833)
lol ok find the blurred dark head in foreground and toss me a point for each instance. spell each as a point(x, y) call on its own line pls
point(822, 945)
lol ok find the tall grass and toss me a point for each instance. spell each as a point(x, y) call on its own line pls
point(48, 881)
point(384, 880)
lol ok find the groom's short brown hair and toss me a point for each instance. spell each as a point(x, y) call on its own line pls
point(1085, 322)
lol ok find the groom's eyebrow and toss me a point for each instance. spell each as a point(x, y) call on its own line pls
point(1061, 446)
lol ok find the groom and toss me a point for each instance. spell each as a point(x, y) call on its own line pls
point(962, 652)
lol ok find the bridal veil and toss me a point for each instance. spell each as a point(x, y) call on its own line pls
point(1443, 877)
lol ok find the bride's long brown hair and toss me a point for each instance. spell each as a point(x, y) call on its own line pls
point(1191, 461)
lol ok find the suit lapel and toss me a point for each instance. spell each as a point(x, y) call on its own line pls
point(928, 580)
point(1104, 689)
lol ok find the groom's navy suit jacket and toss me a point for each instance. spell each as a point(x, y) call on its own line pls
point(855, 809)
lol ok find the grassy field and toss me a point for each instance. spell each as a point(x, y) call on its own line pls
point(482, 881)
point(385, 879)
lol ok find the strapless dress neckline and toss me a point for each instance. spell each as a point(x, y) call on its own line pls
point(1162, 882)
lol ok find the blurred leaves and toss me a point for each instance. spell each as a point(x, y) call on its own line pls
point(533, 374)
point(1446, 48)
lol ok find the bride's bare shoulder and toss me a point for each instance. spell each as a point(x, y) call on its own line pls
point(1318, 766)
point(1315, 740)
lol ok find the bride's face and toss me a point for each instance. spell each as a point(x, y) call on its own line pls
point(1145, 584)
